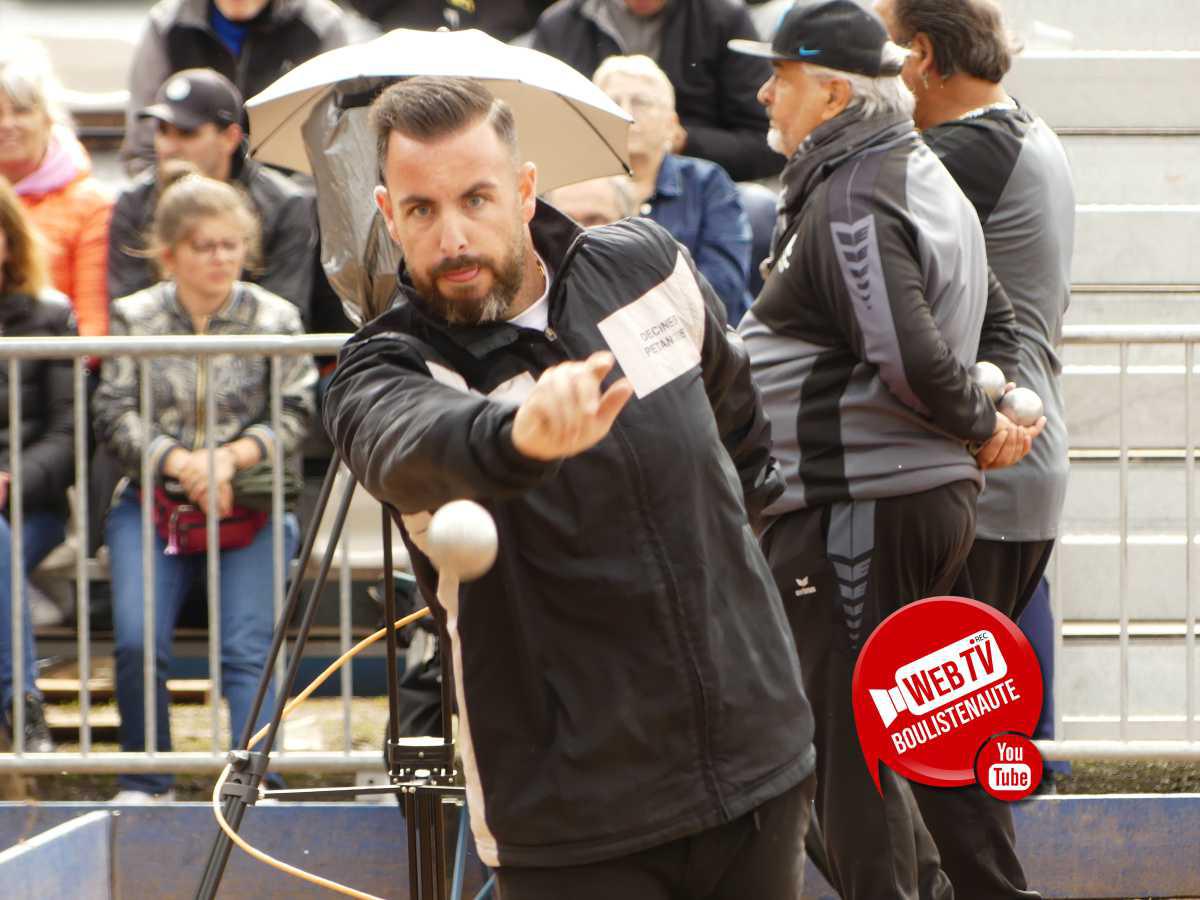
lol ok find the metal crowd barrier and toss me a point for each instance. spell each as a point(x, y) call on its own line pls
point(275, 347)
point(1125, 746)
point(349, 760)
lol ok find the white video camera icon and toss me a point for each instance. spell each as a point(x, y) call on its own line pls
point(941, 677)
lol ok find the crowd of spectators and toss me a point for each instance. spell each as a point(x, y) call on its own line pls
point(201, 238)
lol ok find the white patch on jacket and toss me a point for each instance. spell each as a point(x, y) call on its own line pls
point(658, 336)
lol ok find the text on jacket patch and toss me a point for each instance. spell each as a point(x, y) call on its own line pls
point(663, 335)
point(658, 336)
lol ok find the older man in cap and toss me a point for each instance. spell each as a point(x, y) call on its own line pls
point(877, 302)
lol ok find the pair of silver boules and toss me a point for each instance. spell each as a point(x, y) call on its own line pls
point(1020, 405)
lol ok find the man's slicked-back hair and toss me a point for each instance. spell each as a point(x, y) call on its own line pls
point(967, 35)
point(428, 108)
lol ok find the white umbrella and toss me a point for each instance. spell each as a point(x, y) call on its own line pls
point(566, 125)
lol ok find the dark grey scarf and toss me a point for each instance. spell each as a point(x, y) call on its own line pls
point(823, 151)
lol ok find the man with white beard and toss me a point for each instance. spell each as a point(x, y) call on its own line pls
point(878, 300)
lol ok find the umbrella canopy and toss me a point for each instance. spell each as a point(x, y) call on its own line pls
point(566, 125)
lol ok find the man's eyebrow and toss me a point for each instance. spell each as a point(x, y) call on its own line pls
point(414, 200)
point(485, 184)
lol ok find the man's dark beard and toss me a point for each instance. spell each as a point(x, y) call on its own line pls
point(507, 279)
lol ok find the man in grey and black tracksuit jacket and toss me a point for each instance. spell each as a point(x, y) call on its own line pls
point(628, 692)
point(860, 341)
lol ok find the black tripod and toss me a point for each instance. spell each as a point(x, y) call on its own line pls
point(420, 771)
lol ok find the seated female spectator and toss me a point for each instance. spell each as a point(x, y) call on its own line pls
point(201, 235)
point(47, 448)
point(51, 173)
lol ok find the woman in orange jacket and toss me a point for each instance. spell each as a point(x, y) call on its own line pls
point(51, 173)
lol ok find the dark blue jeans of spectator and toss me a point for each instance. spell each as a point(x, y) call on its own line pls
point(43, 532)
point(1037, 622)
point(247, 625)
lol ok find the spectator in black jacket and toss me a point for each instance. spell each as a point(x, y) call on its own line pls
point(47, 450)
point(715, 88)
point(197, 113)
point(250, 42)
point(502, 19)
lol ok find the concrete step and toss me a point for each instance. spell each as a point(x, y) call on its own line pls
point(66, 724)
point(1089, 689)
point(1090, 578)
point(1144, 169)
point(1153, 407)
point(1105, 24)
point(1119, 307)
point(1156, 504)
point(1085, 573)
point(1109, 89)
point(66, 690)
point(1136, 244)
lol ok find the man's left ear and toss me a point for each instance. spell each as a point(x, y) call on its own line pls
point(527, 189)
point(840, 94)
point(921, 55)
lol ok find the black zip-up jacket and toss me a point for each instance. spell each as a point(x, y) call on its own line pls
point(47, 404)
point(178, 36)
point(716, 89)
point(287, 217)
point(626, 676)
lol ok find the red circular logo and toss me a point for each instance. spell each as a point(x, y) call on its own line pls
point(1009, 767)
point(934, 681)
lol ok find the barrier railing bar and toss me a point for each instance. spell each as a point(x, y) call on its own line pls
point(1189, 470)
point(82, 581)
point(174, 345)
point(344, 642)
point(278, 563)
point(213, 556)
point(16, 557)
point(149, 653)
point(1123, 570)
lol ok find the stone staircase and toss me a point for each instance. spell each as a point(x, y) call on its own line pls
point(1117, 81)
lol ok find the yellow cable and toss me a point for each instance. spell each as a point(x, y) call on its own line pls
point(291, 705)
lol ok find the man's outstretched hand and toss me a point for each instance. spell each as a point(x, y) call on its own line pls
point(566, 413)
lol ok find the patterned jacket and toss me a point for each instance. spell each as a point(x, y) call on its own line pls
point(242, 383)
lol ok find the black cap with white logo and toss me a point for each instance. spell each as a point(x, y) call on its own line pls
point(190, 98)
point(836, 34)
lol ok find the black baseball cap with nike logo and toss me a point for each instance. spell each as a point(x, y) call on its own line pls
point(836, 34)
point(193, 97)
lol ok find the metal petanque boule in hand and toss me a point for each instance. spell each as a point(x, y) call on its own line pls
point(989, 377)
point(1022, 406)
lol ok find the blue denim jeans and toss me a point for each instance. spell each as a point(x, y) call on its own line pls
point(247, 625)
point(43, 532)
